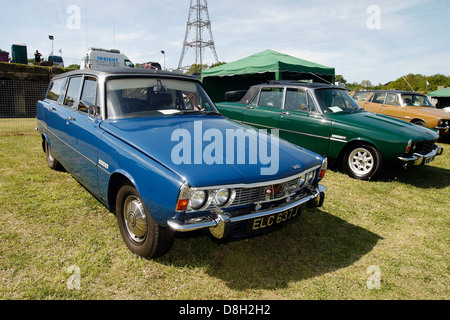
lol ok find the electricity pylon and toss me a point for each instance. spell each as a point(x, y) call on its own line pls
point(198, 20)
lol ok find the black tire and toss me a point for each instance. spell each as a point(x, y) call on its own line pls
point(142, 235)
point(362, 162)
point(51, 162)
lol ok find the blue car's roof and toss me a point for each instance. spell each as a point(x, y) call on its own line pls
point(126, 72)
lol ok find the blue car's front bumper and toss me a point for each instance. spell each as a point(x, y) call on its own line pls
point(220, 223)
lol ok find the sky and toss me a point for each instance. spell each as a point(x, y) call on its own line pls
point(375, 40)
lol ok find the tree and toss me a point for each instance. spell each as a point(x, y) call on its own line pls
point(366, 84)
point(217, 64)
point(197, 68)
point(340, 78)
point(409, 82)
point(74, 66)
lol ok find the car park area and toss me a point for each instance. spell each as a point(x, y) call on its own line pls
point(293, 163)
point(326, 120)
point(397, 225)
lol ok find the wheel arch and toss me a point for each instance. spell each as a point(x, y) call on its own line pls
point(44, 139)
point(419, 121)
point(117, 180)
point(353, 143)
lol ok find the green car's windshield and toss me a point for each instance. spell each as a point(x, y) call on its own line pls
point(335, 100)
point(415, 100)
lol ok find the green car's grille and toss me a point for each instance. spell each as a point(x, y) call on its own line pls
point(424, 147)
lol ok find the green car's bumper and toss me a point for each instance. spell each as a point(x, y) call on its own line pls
point(422, 159)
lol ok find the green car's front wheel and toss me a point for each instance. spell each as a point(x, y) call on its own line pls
point(362, 162)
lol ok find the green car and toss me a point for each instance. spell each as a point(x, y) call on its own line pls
point(326, 120)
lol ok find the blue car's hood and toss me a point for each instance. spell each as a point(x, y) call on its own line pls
point(153, 137)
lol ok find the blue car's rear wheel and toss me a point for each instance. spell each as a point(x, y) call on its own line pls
point(142, 235)
point(51, 161)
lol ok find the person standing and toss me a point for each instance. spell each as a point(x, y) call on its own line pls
point(37, 57)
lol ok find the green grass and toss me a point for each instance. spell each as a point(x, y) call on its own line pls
point(399, 223)
point(19, 126)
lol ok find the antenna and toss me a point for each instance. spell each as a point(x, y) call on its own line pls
point(408, 83)
point(199, 20)
point(86, 25)
point(114, 27)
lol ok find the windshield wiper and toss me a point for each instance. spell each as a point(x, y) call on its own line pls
point(203, 112)
point(356, 109)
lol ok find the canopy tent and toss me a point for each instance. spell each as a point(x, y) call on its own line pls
point(260, 68)
point(442, 93)
point(442, 97)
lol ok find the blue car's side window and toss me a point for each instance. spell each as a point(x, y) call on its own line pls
point(73, 90)
point(56, 89)
point(89, 97)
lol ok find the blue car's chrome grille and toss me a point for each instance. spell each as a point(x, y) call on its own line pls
point(258, 194)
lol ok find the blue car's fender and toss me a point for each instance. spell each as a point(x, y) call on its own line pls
point(158, 186)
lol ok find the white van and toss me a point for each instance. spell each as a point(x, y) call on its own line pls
point(56, 61)
point(102, 58)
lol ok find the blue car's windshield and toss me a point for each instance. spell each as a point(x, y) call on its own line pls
point(335, 100)
point(149, 97)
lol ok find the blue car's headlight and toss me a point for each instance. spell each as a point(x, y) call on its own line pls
point(198, 199)
point(222, 196)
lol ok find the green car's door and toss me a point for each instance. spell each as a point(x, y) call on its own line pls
point(302, 124)
point(265, 109)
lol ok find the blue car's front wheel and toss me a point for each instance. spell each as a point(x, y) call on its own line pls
point(140, 232)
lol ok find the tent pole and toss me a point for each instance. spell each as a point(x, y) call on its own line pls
point(278, 75)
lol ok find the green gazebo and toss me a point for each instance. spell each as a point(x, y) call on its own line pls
point(260, 68)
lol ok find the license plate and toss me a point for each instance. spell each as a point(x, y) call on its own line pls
point(272, 220)
point(429, 160)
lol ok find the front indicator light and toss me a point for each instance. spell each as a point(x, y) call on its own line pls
point(182, 204)
point(408, 147)
point(323, 169)
point(183, 198)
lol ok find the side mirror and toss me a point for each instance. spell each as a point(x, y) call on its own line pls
point(92, 112)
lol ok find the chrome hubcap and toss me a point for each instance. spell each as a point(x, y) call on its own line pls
point(361, 161)
point(135, 219)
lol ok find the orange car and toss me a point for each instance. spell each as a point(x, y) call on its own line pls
point(408, 106)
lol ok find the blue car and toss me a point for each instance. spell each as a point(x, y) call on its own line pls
point(153, 148)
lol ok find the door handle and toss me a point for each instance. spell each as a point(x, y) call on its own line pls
point(251, 108)
point(285, 113)
point(69, 119)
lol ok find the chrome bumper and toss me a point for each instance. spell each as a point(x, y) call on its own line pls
point(419, 159)
point(219, 222)
point(443, 129)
